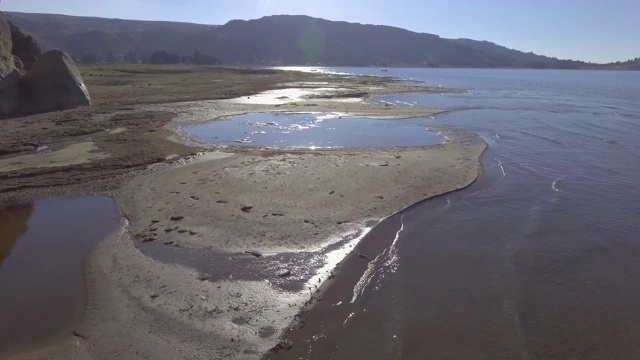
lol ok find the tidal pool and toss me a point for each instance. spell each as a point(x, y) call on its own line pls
point(314, 130)
point(42, 250)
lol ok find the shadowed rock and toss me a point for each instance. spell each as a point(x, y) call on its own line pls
point(9, 91)
point(18, 64)
point(24, 47)
point(8, 72)
point(53, 83)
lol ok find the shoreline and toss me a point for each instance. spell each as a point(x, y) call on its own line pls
point(331, 299)
point(172, 308)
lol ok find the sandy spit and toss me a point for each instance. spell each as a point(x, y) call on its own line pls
point(234, 200)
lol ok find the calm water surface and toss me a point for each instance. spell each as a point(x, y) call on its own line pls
point(42, 249)
point(540, 259)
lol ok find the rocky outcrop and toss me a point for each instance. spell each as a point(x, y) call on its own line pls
point(53, 83)
point(31, 82)
point(9, 92)
point(9, 76)
point(24, 47)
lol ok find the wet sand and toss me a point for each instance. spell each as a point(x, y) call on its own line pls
point(169, 311)
point(231, 200)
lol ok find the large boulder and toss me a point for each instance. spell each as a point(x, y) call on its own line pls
point(53, 83)
point(24, 47)
point(9, 76)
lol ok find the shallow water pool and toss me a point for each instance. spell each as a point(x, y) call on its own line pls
point(314, 130)
point(42, 249)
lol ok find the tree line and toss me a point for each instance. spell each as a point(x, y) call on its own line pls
point(157, 57)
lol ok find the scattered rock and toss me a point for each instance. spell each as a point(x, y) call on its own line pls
point(145, 236)
point(176, 218)
point(283, 344)
point(79, 334)
point(363, 256)
point(153, 296)
point(191, 232)
point(284, 273)
point(203, 277)
point(246, 209)
point(254, 253)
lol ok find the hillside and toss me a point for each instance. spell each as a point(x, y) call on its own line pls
point(275, 40)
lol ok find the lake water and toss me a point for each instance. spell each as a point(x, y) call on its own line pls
point(539, 259)
point(317, 130)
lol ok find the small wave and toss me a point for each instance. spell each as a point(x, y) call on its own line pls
point(327, 116)
point(631, 116)
point(557, 185)
point(542, 137)
point(504, 172)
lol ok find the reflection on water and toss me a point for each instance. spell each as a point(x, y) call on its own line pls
point(315, 130)
point(42, 248)
point(13, 224)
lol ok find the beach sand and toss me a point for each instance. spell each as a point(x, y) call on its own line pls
point(234, 200)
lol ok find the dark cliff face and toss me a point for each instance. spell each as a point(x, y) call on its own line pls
point(24, 47)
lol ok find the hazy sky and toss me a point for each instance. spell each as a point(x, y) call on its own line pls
point(589, 30)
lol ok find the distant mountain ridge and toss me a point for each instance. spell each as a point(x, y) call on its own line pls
point(278, 40)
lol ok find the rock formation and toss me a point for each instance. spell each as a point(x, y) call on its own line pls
point(9, 75)
point(30, 82)
point(53, 83)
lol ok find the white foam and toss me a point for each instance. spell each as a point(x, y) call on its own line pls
point(504, 173)
point(388, 261)
point(556, 185)
point(334, 257)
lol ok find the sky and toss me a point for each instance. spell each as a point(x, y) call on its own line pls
point(588, 30)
